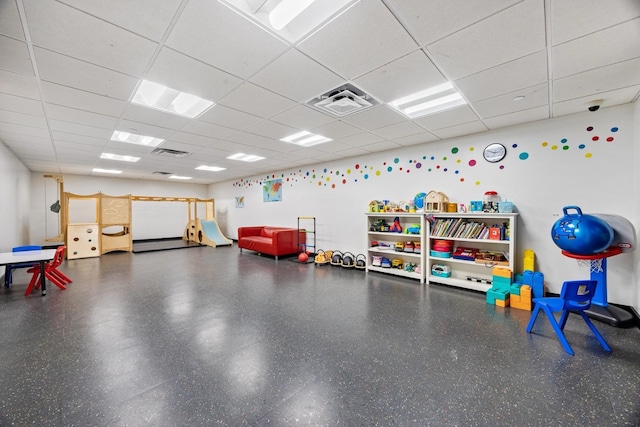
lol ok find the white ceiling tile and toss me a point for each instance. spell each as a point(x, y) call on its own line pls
point(22, 119)
point(143, 129)
point(431, 20)
point(257, 101)
point(25, 141)
point(419, 138)
point(214, 34)
point(362, 39)
point(611, 98)
point(92, 40)
point(524, 116)
point(404, 76)
point(19, 85)
point(517, 74)
point(127, 14)
point(81, 75)
point(454, 116)
point(246, 139)
point(381, 146)
point(336, 130)
point(297, 77)
point(24, 130)
point(571, 19)
point(375, 118)
point(78, 139)
point(515, 32)
point(178, 71)
point(614, 44)
point(21, 105)
point(535, 96)
point(198, 140)
point(63, 95)
point(138, 113)
point(399, 130)
point(15, 56)
point(10, 23)
point(461, 130)
point(67, 114)
point(61, 126)
point(302, 117)
point(611, 77)
point(352, 152)
point(361, 139)
point(208, 129)
point(272, 130)
point(228, 117)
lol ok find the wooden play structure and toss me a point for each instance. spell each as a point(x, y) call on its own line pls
point(111, 229)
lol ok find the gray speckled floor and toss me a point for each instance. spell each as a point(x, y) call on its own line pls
point(213, 337)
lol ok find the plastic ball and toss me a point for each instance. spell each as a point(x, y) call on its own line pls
point(581, 234)
point(303, 257)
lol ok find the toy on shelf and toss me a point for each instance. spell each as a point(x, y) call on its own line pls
point(435, 201)
point(441, 270)
point(412, 229)
point(475, 206)
point(396, 227)
point(376, 206)
point(490, 202)
point(418, 200)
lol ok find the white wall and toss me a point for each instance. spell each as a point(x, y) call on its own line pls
point(635, 188)
point(150, 220)
point(540, 186)
point(14, 193)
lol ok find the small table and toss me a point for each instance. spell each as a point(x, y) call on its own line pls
point(41, 257)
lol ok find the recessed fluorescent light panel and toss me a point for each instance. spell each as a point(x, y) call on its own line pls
point(210, 168)
point(113, 171)
point(429, 101)
point(245, 157)
point(180, 177)
point(306, 139)
point(132, 138)
point(118, 157)
point(290, 19)
point(155, 95)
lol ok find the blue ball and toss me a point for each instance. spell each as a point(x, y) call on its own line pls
point(581, 234)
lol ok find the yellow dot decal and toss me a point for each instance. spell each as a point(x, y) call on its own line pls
point(588, 155)
point(545, 143)
point(554, 147)
point(377, 173)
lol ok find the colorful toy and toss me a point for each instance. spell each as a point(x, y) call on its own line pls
point(441, 270)
point(396, 227)
point(303, 257)
point(500, 291)
point(581, 234)
point(410, 267)
point(475, 206)
point(396, 263)
point(385, 263)
point(435, 201)
point(412, 229)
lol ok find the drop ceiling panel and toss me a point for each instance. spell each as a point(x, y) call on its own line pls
point(404, 76)
point(127, 14)
point(375, 118)
point(78, 129)
point(77, 74)
point(208, 129)
point(272, 130)
point(419, 138)
point(10, 23)
point(79, 139)
point(381, 146)
point(15, 56)
point(255, 100)
point(460, 130)
point(351, 46)
point(511, 119)
point(14, 139)
point(302, 117)
point(65, 146)
point(22, 119)
point(614, 97)
point(571, 19)
point(23, 130)
point(336, 130)
point(214, 34)
point(399, 130)
point(228, 117)
point(612, 77)
point(614, 44)
point(197, 140)
point(21, 105)
point(535, 96)
point(58, 112)
point(143, 129)
point(92, 40)
point(361, 139)
point(519, 73)
point(297, 77)
point(434, 19)
point(138, 113)
point(178, 71)
point(19, 85)
point(448, 118)
point(515, 32)
point(76, 98)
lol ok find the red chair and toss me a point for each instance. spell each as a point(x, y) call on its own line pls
point(51, 272)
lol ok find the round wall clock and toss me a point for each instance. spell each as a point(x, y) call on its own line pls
point(494, 152)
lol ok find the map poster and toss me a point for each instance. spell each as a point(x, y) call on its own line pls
point(272, 191)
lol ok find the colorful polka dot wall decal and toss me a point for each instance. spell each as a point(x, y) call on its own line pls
point(595, 138)
point(514, 146)
point(545, 143)
point(614, 129)
point(523, 156)
point(565, 147)
point(389, 169)
point(396, 160)
point(610, 139)
point(454, 150)
point(472, 162)
point(563, 140)
point(588, 155)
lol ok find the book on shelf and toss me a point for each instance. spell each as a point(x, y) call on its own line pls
point(491, 258)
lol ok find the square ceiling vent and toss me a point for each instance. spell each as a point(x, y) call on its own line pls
point(344, 100)
point(170, 153)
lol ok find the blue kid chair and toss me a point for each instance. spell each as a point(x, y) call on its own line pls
point(575, 297)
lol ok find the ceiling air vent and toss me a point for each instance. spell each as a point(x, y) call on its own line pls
point(169, 152)
point(342, 101)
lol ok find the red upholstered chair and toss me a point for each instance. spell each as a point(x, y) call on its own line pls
point(51, 272)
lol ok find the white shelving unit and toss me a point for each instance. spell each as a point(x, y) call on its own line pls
point(461, 269)
point(390, 238)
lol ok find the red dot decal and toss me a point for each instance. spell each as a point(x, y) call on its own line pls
point(344, 181)
point(590, 128)
point(595, 138)
point(472, 162)
point(357, 166)
point(610, 139)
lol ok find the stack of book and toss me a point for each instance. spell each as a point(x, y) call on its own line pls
point(459, 228)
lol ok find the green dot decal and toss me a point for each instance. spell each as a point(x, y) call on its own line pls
point(454, 150)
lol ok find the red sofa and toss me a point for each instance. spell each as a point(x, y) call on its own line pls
point(276, 241)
